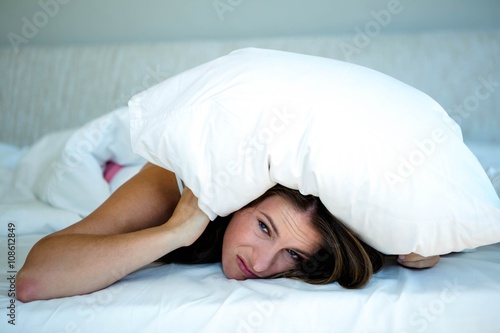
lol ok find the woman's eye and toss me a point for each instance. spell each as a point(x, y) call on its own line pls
point(264, 227)
point(295, 256)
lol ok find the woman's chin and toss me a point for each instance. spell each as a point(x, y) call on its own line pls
point(232, 273)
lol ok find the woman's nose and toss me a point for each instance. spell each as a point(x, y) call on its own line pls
point(263, 259)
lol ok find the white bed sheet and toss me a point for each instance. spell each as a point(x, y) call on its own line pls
point(460, 294)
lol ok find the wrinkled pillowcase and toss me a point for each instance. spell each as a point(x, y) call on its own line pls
point(383, 157)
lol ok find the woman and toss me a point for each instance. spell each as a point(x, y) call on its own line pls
point(281, 234)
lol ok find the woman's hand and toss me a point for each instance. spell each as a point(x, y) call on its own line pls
point(414, 260)
point(188, 220)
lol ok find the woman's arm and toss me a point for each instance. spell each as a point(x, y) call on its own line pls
point(127, 232)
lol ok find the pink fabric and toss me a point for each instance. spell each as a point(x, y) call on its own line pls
point(110, 170)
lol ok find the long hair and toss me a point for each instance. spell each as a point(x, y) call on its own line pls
point(343, 257)
point(206, 249)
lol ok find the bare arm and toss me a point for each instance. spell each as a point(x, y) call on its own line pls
point(127, 232)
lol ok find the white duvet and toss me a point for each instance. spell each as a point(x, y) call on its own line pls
point(59, 180)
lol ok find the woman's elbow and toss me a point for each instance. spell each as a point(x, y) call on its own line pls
point(27, 287)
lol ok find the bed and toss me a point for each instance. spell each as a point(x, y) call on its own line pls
point(460, 294)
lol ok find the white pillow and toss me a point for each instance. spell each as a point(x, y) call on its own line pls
point(383, 157)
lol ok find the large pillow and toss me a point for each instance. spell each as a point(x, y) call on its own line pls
point(383, 157)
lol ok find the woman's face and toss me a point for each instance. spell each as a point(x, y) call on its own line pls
point(267, 239)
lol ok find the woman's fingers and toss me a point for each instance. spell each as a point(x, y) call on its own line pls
point(414, 260)
point(188, 218)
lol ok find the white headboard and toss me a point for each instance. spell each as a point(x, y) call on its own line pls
point(43, 89)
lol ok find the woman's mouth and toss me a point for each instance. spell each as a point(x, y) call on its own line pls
point(244, 269)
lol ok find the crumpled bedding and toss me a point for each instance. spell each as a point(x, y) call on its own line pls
point(65, 169)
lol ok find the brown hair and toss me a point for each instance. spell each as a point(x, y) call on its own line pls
point(343, 258)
